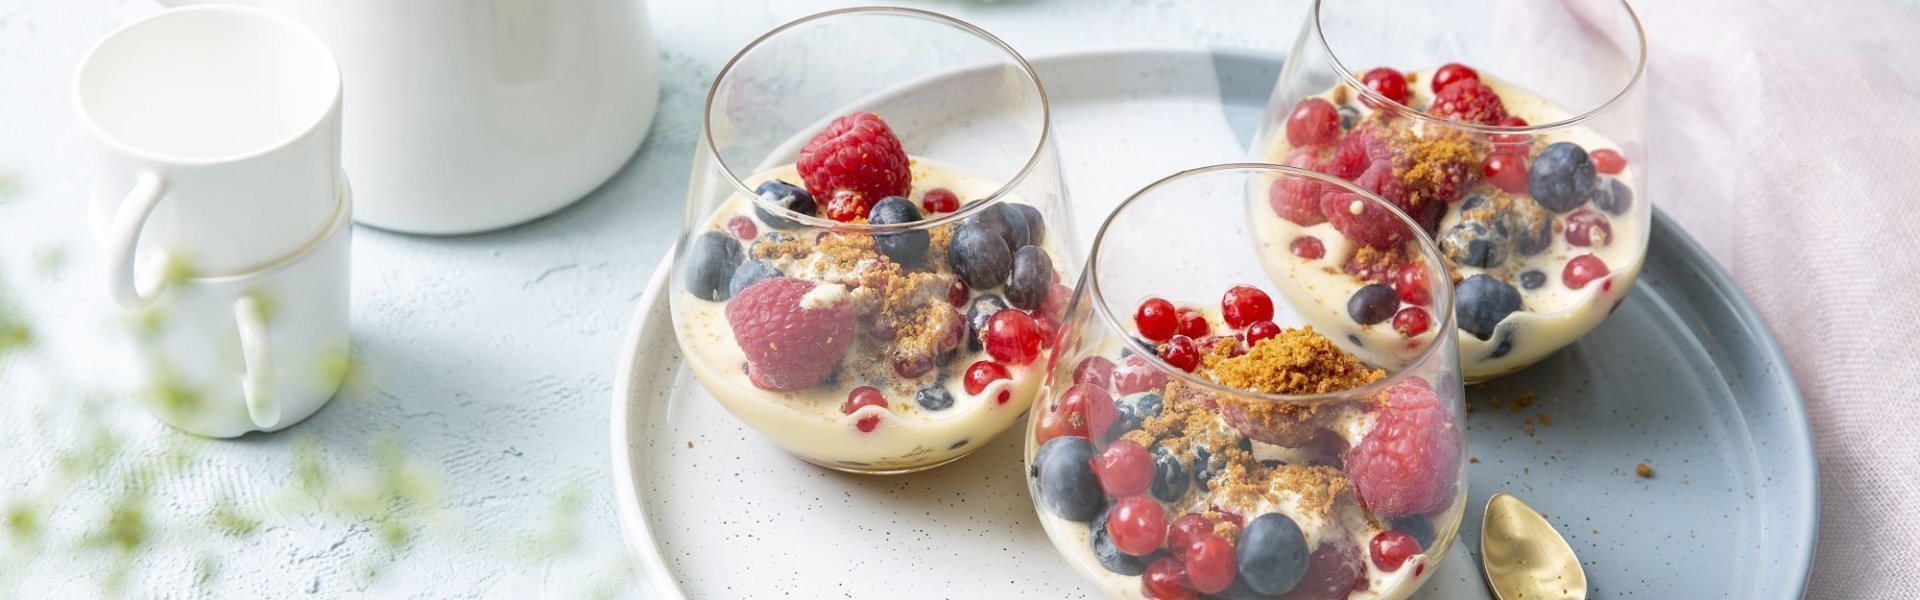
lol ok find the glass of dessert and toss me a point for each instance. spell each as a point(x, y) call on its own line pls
point(1199, 435)
point(872, 253)
point(1513, 131)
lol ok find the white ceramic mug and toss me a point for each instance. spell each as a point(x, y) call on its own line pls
point(471, 115)
point(260, 351)
point(216, 143)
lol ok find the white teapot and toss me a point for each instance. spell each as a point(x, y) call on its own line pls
point(469, 115)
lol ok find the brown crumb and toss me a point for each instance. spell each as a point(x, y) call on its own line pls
point(689, 443)
point(1473, 459)
point(1643, 470)
point(1297, 361)
point(1439, 160)
point(1340, 94)
point(1544, 420)
point(1521, 402)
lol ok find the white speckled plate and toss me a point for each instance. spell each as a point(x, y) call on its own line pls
point(1684, 376)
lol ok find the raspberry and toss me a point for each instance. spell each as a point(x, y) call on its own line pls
point(1244, 304)
point(1297, 199)
point(1469, 102)
point(854, 163)
point(1364, 221)
point(1451, 72)
point(1388, 83)
point(789, 346)
point(1314, 121)
point(1407, 463)
point(1333, 570)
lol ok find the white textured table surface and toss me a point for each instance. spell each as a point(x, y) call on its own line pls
point(469, 456)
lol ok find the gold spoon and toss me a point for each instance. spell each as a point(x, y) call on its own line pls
point(1524, 557)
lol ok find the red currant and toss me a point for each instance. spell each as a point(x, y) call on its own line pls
point(1055, 303)
point(1450, 73)
point(1192, 323)
point(1582, 270)
point(1507, 171)
point(1067, 416)
point(1245, 304)
point(1124, 469)
point(940, 200)
point(1096, 407)
point(1012, 337)
point(1308, 247)
point(1313, 122)
point(742, 227)
point(1187, 530)
point(1588, 228)
point(1095, 370)
point(1410, 282)
point(1388, 82)
point(1411, 321)
point(1391, 549)
point(1137, 376)
point(1165, 579)
point(957, 293)
point(984, 373)
point(1261, 331)
point(862, 397)
point(1608, 161)
point(1181, 353)
point(1512, 142)
point(911, 367)
point(1156, 320)
point(1138, 525)
point(1210, 564)
point(1049, 330)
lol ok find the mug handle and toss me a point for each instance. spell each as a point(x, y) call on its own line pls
point(256, 348)
point(123, 242)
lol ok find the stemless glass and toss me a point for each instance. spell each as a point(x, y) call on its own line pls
point(1197, 435)
point(1513, 130)
point(855, 227)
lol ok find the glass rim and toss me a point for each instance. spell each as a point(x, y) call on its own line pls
point(1360, 88)
point(1442, 294)
point(966, 210)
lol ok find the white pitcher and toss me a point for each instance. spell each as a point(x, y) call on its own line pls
point(471, 115)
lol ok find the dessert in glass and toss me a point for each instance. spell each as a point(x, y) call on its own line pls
point(872, 253)
point(1514, 132)
point(1202, 436)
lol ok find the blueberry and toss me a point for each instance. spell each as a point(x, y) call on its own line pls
point(1348, 116)
point(980, 256)
point(1415, 525)
point(1532, 279)
point(711, 259)
point(1615, 197)
point(784, 195)
point(1169, 476)
point(1474, 202)
point(1481, 302)
point(1272, 555)
point(1031, 279)
point(749, 273)
point(1025, 214)
point(1504, 347)
point(1562, 177)
point(993, 219)
point(1206, 465)
point(1373, 304)
point(934, 398)
point(908, 248)
point(1475, 244)
point(1133, 411)
point(1530, 227)
point(1068, 487)
point(1110, 555)
point(978, 311)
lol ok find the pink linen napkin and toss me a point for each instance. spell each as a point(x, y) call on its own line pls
point(1787, 141)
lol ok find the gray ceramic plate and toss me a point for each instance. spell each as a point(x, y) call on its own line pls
point(1684, 377)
